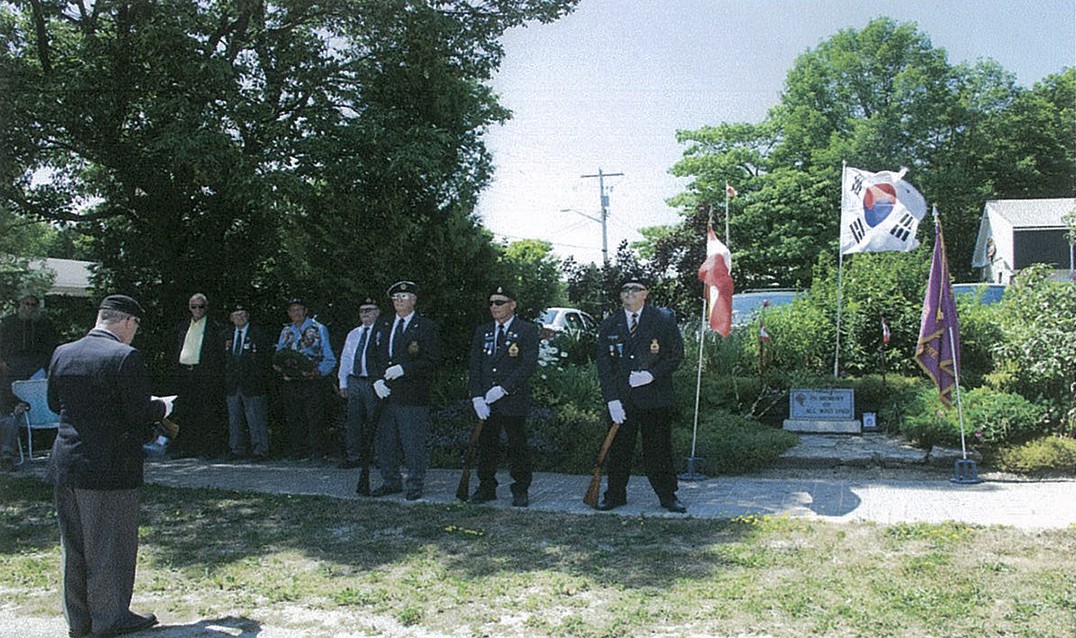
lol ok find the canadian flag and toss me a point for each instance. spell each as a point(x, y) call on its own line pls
point(762, 334)
point(715, 273)
point(885, 332)
point(729, 190)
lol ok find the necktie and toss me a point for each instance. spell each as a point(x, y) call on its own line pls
point(237, 347)
point(634, 327)
point(358, 369)
point(499, 346)
point(397, 334)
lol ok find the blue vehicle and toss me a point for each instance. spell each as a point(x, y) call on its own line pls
point(984, 293)
point(746, 305)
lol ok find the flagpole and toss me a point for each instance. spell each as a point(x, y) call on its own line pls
point(727, 215)
point(840, 283)
point(691, 474)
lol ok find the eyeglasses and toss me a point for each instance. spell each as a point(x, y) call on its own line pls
point(499, 302)
point(366, 310)
point(196, 306)
point(138, 322)
point(401, 296)
point(630, 289)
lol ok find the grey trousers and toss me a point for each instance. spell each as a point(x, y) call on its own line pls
point(248, 414)
point(406, 429)
point(99, 547)
point(361, 402)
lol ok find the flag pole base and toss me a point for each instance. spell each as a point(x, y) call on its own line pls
point(965, 472)
point(691, 474)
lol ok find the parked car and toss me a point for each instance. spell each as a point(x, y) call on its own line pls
point(986, 293)
point(554, 320)
point(746, 305)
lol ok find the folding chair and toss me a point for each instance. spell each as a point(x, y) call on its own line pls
point(39, 416)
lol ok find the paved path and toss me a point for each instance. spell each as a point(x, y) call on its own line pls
point(837, 495)
point(839, 479)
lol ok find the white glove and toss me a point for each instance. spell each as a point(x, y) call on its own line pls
point(639, 377)
point(168, 403)
point(381, 390)
point(495, 394)
point(481, 408)
point(394, 372)
point(616, 411)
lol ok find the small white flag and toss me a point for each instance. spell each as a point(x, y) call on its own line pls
point(879, 212)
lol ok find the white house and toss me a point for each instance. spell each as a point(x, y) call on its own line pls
point(1015, 233)
point(72, 276)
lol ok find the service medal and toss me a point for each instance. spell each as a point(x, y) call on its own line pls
point(412, 348)
point(654, 347)
point(513, 350)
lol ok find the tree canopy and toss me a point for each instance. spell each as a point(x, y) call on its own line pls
point(878, 98)
point(254, 149)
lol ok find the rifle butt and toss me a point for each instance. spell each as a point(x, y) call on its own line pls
point(468, 459)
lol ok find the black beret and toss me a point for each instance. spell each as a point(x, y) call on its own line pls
point(296, 300)
point(504, 291)
point(403, 286)
point(123, 304)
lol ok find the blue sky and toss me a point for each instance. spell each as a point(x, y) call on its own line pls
point(608, 87)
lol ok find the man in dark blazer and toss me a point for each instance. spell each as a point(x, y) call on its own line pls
point(248, 357)
point(639, 348)
point(406, 354)
point(101, 390)
point(504, 355)
point(199, 360)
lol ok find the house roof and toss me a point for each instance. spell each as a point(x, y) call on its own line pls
point(72, 276)
point(1032, 213)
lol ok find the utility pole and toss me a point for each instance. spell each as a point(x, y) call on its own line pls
point(605, 210)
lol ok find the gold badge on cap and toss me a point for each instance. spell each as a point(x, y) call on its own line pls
point(513, 350)
point(655, 347)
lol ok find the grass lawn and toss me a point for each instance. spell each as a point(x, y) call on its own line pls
point(370, 568)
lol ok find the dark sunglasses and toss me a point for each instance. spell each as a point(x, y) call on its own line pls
point(632, 289)
point(196, 306)
point(498, 302)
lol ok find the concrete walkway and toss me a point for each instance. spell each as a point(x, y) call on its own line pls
point(835, 478)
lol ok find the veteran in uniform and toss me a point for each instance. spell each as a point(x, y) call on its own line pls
point(100, 388)
point(504, 355)
point(407, 351)
point(639, 349)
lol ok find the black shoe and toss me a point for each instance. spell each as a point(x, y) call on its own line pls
point(232, 457)
point(607, 503)
point(674, 505)
point(483, 496)
point(259, 458)
point(385, 490)
point(413, 495)
point(131, 624)
point(348, 465)
point(520, 500)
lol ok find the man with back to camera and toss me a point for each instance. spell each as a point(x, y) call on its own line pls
point(639, 349)
point(100, 388)
point(407, 353)
point(504, 355)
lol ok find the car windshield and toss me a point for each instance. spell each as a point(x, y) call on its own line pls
point(991, 293)
point(746, 305)
point(547, 316)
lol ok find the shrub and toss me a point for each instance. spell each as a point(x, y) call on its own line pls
point(990, 417)
point(732, 444)
point(1044, 455)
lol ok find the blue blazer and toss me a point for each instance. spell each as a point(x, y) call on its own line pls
point(418, 353)
point(100, 388)
point(511, 368)
point(658, 347)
